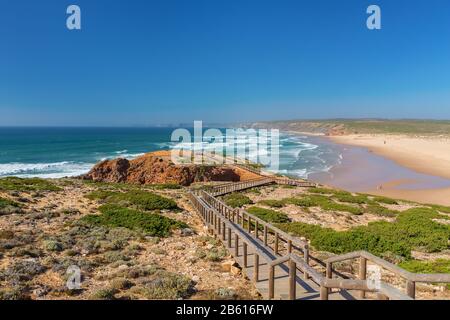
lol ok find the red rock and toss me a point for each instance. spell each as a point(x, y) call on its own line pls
point(157, 167)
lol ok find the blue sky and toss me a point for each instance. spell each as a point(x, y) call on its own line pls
point(165, 61)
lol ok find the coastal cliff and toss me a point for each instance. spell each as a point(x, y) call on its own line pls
point(157, 167)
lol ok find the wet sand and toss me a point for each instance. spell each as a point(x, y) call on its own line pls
point(362, 170)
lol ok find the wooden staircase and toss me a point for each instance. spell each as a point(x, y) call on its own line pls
point(281, 266)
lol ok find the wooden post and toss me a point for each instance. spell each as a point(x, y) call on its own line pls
point(236, 246)
point(244, 244)
point(323, 293)
point(249, 229)
point(362, 274)
point(329, 270)
point(411, 289)
point(256, 267)
point(271, 282)
point(256, 229)
point(292, 282)
point(265, 235)
point(289, 246)
point(219, 226)
point(224, 231)
point(306, 258)
point(229, 237)
point(276, 243)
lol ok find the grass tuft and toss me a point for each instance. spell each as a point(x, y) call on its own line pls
point(237, 200)
point(115, 216)
point(27, 184)
point(269, 215)
point(136, 198)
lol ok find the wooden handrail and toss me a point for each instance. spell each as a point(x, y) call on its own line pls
point(411, 278)
point(302, 244)
point(416, 277)
point(217, 215)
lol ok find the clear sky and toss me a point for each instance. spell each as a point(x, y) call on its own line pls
point(165, 61)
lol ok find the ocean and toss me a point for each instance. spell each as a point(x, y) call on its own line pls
point(65, 152)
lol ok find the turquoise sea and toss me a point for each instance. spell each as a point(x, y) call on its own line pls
point(60, 152)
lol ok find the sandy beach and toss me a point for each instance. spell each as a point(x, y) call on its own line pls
point(429, 156)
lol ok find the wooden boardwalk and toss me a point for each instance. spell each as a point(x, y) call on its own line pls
point(281, 266)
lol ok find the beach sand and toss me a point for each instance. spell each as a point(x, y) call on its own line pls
point(417, 168)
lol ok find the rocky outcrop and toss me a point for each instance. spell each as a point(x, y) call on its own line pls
point(110, 171)
point(153, 168)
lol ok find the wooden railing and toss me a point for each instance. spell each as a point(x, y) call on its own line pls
point(279, 248)
point(410, 278)
point(294, 182)
point(238, 186)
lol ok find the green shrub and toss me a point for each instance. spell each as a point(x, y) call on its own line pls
point(323, 202)
point(213, 254)
point(8, 203)
point(381, 211)
point(254, 191)
point(166, 285)
point(332, 206)
point(269, 215)
point(104, 294)
point(437, 266)
point(162, 186)
point(304, 202)
point(27, 184)
point(336, 192)
point(349, 198)
point(443, 209)
point(272, 203)
point(326, 239)
point(52, 245)
point(237, 200)
point(385, 200)
point(413, 229)
point(116, 216)
point(121, 284)
point(137, 198)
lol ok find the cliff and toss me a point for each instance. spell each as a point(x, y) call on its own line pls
point(157, 167)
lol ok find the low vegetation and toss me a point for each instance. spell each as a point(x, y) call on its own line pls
point(165, 285)
point(152, 224)
point(269, 215)
point(8, 206)
point(272, 203)
point(381, 211)
point(135, 198)
point(412, 229)
point(437, 266)
point(27, 184)
point(237, 200)
point(324, 203)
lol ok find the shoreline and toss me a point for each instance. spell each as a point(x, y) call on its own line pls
point(428, 155)
point(410, 168)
